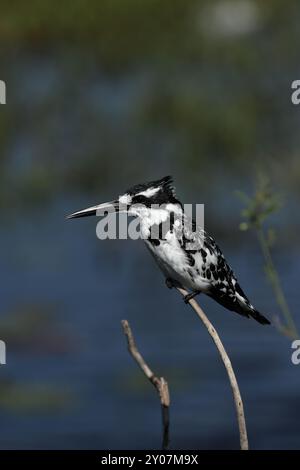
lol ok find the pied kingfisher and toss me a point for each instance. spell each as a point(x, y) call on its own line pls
point(201, 269)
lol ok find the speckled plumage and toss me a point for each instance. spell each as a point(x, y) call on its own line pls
point(190, 257)
point(186, 254)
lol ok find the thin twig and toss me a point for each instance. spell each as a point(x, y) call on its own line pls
point(227, 363)
point(160, 384)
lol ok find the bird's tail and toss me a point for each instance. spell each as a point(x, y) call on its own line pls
point(245, 308)
point(239, 304)
point(248, 309)
point(259, 317)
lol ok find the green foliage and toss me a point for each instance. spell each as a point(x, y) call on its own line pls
point(258, 209)
point(260, 206)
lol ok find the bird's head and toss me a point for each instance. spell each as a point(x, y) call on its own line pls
point(138, 200)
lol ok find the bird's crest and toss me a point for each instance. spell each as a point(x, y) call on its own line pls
point(165, 184)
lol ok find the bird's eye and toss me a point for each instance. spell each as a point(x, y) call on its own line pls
point(139, 199)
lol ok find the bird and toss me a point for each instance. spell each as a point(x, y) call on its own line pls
point(186, 254)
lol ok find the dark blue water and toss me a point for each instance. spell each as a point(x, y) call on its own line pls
point(69, 381)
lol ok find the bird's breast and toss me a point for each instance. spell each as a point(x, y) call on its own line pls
point(176, 263)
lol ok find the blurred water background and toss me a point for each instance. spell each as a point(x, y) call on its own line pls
point(100, 96)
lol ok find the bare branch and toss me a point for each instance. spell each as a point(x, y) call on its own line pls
point(159, 383)
point(227, 363)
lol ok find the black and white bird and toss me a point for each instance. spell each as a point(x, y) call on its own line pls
point(169, 235)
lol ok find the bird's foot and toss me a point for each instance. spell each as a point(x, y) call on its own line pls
point(190, 296)
point(170, 283)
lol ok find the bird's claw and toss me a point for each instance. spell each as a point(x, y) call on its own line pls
point(190, 296)
point(170, 283)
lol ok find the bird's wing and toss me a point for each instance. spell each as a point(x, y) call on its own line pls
point(205, 254)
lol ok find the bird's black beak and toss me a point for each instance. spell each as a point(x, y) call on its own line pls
point(100, 209)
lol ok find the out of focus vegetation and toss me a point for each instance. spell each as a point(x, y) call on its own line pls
point(34, 398)
point(102, 95)
point(258, 208)
point(33, 329)
point(112, 92)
